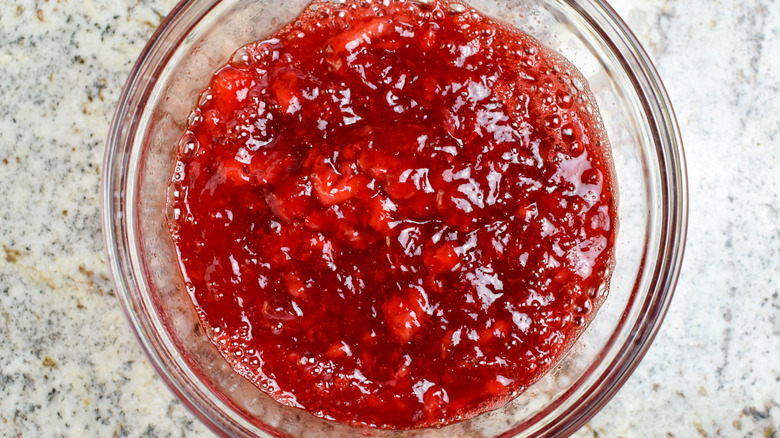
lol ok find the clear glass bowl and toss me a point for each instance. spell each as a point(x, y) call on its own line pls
point(199, 36)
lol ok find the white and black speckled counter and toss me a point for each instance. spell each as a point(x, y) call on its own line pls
point(70, 366)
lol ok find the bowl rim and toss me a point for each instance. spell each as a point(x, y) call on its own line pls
point(674, 214)
point(666, 137)
point(114, 235)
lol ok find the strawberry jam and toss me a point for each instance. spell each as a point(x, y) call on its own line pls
point(397, 214)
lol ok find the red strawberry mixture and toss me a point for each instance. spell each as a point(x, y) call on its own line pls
point(396, 214)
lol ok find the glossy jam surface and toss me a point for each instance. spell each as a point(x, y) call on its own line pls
point(397, 215)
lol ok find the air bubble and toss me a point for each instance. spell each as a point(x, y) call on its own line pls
point(487, 32)
point(240, 58)
point(173, 193)
point(565, 320)
point(342, 20)
point(188, 146)
point(577, 84)
point(591, 176)
point(205, 98)
point(264, 50)
point(568, 134)
point(552, 121)
point(600, 291)
point(585, 308)
point(194, 118)
point(564, 100)
point(323, 14)
point(178, 172)
point(457, 8)
point(172, 213)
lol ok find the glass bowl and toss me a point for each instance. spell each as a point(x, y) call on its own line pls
point(199, 36)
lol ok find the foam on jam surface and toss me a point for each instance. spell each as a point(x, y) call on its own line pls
point(398, 215)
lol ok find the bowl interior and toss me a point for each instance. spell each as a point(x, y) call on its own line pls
point(200, 36)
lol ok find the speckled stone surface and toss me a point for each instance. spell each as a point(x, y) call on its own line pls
point(70, 366)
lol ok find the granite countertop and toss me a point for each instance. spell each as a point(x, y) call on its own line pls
point(70, 366)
